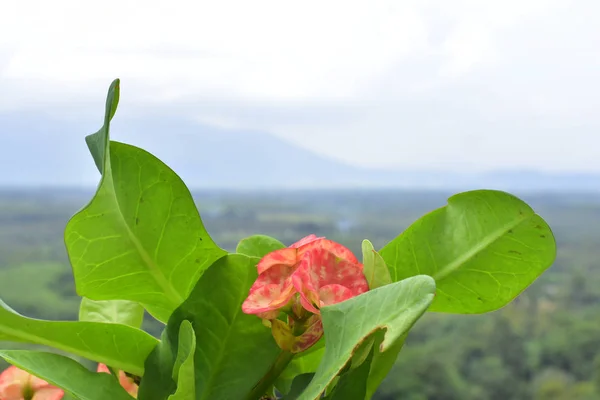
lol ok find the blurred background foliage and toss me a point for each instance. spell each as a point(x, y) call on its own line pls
point(545, 345)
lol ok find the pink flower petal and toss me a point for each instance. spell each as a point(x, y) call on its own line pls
point(305, 267)
point(37, 383)
point(14, 382)
point(308, 304)
point(48, 394)
point(305, 240)
point(103, 368)
point(304, 284)
point(267, 298)
point(322, 268)
point(285, 256)
point(126, 382)
point(331, 294)
point(11, 391)
point(330, 246)
point(272, 290)
point(267, 314)
point(13, 374)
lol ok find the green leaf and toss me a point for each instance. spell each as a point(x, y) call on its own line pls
point(112, 311)
point(353, 384)
point(483, 249)
point(361, 353)
point(304, 363)
point(183, 370)
point(141, 237)
point(98, 142)
point(118, 311)
point(395, 308)
point(258, 246)
point(382, 363)
point(375, 270)
point(298, 385)
point(67, 374)
point(119, 346)
point(233, 350)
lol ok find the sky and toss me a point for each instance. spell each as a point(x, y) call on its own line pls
point(456, 85)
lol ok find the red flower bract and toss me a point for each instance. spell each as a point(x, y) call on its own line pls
point(299, 280)
point(128, 384)
point(16, 384)
point(323, 279)
point(322, 271)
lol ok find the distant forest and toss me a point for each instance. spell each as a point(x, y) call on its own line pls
point(545, 345)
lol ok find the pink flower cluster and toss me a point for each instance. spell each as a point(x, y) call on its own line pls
point(299, 280)
point(128, 384)
point(17, 384)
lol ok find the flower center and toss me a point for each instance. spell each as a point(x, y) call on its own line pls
point(28, 392)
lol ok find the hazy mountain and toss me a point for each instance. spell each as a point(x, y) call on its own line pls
point(37, 151)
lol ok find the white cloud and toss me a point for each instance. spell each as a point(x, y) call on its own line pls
point(412, 83)
point(259, 49)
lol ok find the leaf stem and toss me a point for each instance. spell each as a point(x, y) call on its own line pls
point(280, 363)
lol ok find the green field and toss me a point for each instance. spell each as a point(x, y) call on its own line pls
point(545, 345)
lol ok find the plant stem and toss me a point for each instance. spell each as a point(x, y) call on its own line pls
point(282, 361)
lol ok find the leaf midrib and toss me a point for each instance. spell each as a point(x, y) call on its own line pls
point(174, 297)
point(478, 248)
point(217, 365)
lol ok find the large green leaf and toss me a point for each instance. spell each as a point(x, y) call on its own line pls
point(115, 311)
point(258, 245)
point(67, 374)
point(183, 369)
point(233, 350)
point(394, 308)
point(119, 346)
point(141, 237)
point(483, 249)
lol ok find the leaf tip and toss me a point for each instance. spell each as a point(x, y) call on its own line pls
point(112, 99)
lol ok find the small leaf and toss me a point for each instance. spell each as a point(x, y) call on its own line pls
point(112, 311)
point(141, 237)
point(258, 246)
point(376, 272)
point(119, 346)
point(183, 370)
point(394, 308)
point(382, 363)
point(98, 142)
point(234, 350)
point(303, 363)
point(298, 386)
point(67, 374)
point(362, 352)
point(483, 249)
point(353, 384)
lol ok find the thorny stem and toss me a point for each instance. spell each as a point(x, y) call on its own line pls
point(282, 361)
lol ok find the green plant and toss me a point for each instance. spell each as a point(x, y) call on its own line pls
point(140, 244)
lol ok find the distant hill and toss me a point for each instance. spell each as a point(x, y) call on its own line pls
point(42, 151)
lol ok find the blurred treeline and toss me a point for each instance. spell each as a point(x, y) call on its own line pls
point(545, 345)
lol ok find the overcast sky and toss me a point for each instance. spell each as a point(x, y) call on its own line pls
point(439, 84)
